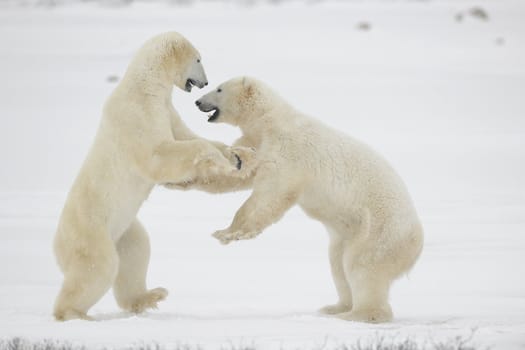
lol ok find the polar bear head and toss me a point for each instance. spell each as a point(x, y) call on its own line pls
point(237, 101)
point(192, 72)
point(183, 61)
point(172, 59)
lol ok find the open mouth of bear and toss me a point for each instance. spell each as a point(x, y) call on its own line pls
point(190, 83)
point(214, 114)
point(205, 107)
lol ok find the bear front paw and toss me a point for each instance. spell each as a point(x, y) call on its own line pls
point(226, 237)
point(245, 160)
point(213, 164)
point(223, 236)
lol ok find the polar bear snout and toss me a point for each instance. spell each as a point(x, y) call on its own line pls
point(204, 106)
point(195, 76)
point(208, 107)
point(190, 83)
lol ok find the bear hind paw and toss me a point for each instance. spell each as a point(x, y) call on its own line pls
point(70, 314)
point(369, 316)
point(148, 300)
point(335, 309)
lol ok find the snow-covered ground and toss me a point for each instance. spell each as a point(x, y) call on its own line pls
point(443, 100)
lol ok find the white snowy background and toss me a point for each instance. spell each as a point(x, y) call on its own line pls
point(442, 99)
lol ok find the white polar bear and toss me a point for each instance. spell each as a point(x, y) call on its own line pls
point(141, 142)
point(375, 234)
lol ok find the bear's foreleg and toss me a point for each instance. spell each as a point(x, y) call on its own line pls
point(182, 161)
point(267, 204)
point(242, 157)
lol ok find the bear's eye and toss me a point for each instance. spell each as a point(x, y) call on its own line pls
point(199, 60)
point(219, 90)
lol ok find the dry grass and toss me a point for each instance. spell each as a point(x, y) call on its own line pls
point(379, 342)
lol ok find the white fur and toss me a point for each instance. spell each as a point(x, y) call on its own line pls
point(141, 142)
point(375, 234)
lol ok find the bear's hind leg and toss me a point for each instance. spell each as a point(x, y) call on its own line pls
point(344, 292)
point(370, 289)
point(130, 285)
point(87, 277)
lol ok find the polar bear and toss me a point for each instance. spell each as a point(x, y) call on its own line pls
point(141, 142)
point(374, 230)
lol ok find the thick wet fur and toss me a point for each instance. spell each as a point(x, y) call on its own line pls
point(375, 233)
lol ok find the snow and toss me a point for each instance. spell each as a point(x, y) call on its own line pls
point(444, 101)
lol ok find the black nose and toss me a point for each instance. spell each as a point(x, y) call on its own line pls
point(206, 84)
point(198, 103)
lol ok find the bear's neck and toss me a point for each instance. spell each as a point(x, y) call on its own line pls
point(150, 76)
point(269, 121)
